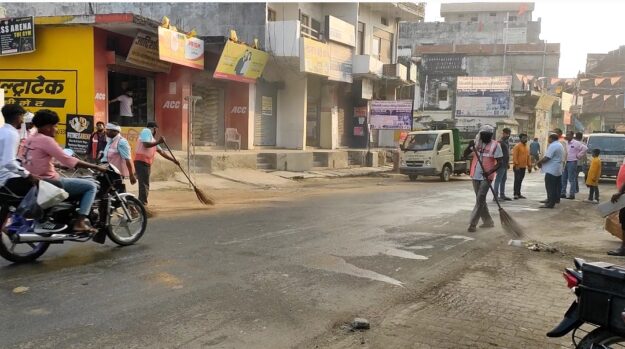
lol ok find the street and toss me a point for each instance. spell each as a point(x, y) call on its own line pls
point(290, 272)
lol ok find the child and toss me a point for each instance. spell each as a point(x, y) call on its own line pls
point(592, 181)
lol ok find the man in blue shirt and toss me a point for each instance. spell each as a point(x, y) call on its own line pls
point(535, 152)
point(551, 166)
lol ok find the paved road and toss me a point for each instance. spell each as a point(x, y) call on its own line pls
point(266, 277)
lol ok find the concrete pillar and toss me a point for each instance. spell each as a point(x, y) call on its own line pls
point(292, 106)
point(251, 116)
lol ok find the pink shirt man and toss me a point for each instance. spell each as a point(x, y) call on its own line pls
point(576, 150)
point(39, 153)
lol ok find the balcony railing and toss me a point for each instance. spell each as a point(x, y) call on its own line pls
point(309, 32)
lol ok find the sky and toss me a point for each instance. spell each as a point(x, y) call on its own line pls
point(581, 27)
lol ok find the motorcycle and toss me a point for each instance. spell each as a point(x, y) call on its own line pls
point(600, 303)
point(114, 213)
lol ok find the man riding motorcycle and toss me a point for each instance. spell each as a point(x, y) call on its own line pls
point(40, 151)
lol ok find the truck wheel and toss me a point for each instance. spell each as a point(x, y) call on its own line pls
point(412, 177)
point(446, 174)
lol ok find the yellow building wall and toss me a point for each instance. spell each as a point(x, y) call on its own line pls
point(59, 75)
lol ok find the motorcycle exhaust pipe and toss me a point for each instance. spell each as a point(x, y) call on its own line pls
point(32, 237)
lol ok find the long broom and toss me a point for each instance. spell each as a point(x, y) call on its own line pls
point(510, 226)
point(201, 196)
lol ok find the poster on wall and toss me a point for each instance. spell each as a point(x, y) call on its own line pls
point(241, 63)
point(144, 53)
point(178, 48)
point(483, 96)
point(78, 132)
point(391, 115)
point(17, 35)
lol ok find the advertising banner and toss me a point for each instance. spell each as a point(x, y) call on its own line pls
point(144, 53)
point(483, 96)
point(241, 63)
point(340, 63)
point(78, 132)
point(178, 48)
point(340, 31)
point(17, 35)
point(314, 57)
point(391, 115)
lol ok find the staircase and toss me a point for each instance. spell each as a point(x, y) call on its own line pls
point(265, 161)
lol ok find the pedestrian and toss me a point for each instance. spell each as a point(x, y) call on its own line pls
point(564, 157)
point(592, 179)
point(520, 162)
point(125, 107)
point(146, 150)
point(535, 152)
point(502, 171)
point(551, 166)
point(97, 143)
point(491, 155)
point(575, 150)
point(117, 152)
point(620, 185)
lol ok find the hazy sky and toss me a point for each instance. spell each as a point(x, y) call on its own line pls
point(581, 27)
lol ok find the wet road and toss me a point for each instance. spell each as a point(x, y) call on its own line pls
point(273, 276)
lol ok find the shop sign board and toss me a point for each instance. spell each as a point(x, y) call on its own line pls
point(341, 58)
point(366, 89)
point(241, 63)
point(144, 53)
point(178, 48)
point(483, 96)
point(78, 132)
point(340, 31)
point(391, 115)
point(17, 35)
point(314, 57)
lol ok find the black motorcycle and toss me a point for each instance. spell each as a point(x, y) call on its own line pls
point(115, 213)
point(599, 305)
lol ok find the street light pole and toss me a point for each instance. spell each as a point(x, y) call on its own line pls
point(505, 43)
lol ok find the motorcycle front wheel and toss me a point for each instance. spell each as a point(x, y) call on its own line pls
point(601, 338)
point(126, 232)
point(18, 252)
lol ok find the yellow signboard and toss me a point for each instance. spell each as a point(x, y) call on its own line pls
point(144, 53)
point(178, 48)
point(241, 63)
point(314, 57)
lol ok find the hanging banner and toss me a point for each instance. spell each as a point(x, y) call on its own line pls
point(598, 81)
point(17, 35)
point(241, 63)
point(613, 81)
point(178, 48)
point(144, 53)
point(567, 101)
point(483, 96)
point(391, 115)
point(78, 132)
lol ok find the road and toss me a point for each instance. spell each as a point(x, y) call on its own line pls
point(282, 275)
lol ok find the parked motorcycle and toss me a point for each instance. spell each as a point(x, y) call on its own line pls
point(600, 303)
point(115, 213)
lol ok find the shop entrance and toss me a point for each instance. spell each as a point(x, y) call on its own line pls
point(313, 112)
point(131, 98)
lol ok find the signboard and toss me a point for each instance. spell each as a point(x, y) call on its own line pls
point(366, 89)
point(515, 35)
point(483, 96)
point(393, 115)
point(314, 57)
point(439, 64)
point(340, 63)
point(241, 63)
point(178, 48)
point(78, 132)
point(17, 35)
point(340, 31)
point(144, 53)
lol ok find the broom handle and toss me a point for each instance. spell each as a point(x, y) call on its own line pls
point(486, 178)
point(179, 166)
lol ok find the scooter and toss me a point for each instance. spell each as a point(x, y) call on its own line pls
point(114, 213)
point(600, 303)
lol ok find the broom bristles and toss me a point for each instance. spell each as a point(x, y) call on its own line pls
point(509, 225)
point(202, 197)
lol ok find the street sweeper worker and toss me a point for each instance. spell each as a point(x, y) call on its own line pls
point(490, 154)
point(620, 185)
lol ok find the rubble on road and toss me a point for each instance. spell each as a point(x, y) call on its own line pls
point(360, 324)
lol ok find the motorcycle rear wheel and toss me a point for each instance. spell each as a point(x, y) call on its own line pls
point(127, 233)
point(18, 252)
point(600, 338)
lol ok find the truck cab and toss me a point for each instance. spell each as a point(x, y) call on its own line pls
point(432, 153)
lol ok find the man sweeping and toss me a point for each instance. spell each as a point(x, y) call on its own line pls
point(146, 149)
point(490, 154)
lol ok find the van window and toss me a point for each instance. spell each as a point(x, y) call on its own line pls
point(420, 142)
point(445, 140)
point(608, 145)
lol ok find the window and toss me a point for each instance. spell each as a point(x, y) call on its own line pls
point(442, 95)
point(361, 38)
point(384, 21)
point(315, 26)
point(493, 14)
point(382, 47)
point(445, 140)
point(473, 19)
point(271, 15)
point(512, 18)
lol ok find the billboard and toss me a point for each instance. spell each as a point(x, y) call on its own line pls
point(314, 57)
point(144, 53)
point(483, 96)
point(391, 115)
point(17, 35)
point(241, 63)
point(178, 48)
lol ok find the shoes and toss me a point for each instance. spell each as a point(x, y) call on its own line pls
point(596, 201)
point(505, 198)
point(488, 225)
point(516, 197)
point(572, 197)
point(588, 201)
point(546, 206)
point(544, 201)
point(472, 229)
point(618, 252)
point(522, 197)
point(48, 227)
point(562, 196)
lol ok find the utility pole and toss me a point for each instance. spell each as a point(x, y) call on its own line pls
point(505, 43)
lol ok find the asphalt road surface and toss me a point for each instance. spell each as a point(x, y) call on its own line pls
point(274, 276)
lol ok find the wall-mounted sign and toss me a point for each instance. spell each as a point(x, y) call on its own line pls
point(340, 31)
point(144, 53)
point(314, 57)
point(440, 64)
point(178, 48)
point(241, 63)
point(394, 115)
point(17, 35)
point(484, 83)
point(78, 132)
point(341, 58)
point(515, 35)
point(366, 89)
